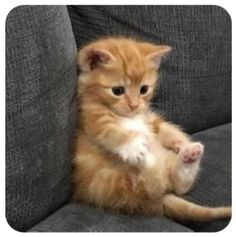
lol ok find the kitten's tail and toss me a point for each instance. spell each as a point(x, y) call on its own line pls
point(178, 208)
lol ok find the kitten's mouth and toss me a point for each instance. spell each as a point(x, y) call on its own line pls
point(129, 113)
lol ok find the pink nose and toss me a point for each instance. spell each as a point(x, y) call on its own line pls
point(133, 106)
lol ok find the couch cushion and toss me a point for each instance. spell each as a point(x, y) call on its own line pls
point(75, 217)
point(213, 187)
point(40, 112)
point(196, 76)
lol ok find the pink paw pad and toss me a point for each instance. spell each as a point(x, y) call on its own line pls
point(191, 152)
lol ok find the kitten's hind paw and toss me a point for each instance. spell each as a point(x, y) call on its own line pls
point(191, 152)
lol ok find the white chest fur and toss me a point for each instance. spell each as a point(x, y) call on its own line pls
point(138, 148)
point(136, 123)
point(155, 151)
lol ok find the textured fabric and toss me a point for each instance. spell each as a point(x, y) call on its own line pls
point(40, 112)
point(82, 218)
point(213, 187)
point(195, 88)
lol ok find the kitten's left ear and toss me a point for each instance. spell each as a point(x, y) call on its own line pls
point(92, 57)
point(158, 52)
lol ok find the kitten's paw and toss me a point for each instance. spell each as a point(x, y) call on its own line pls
point(135, 150)
point(191, 152)
point(176, 145)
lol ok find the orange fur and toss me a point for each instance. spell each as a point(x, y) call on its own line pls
point(109, 125)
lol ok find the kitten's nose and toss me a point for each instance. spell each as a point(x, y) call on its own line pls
point(133, 105)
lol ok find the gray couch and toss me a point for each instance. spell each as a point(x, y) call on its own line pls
point(195, 92)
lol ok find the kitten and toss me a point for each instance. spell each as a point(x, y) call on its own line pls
point(128, 158)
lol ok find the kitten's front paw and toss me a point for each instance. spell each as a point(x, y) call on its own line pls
point(191, 152)
point(135, 150)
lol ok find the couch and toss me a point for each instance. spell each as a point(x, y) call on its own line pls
point(41, 74)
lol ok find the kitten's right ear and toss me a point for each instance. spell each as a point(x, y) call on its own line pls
point(158, 52)
point(90, 58)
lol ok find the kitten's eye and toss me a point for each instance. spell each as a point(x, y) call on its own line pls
point(118, 90)
point(143, 89)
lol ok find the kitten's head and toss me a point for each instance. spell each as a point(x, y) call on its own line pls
point(120, 73)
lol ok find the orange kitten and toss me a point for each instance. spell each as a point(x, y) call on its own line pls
point(128, 158)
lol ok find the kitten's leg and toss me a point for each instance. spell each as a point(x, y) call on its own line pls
point(185, 167)
point(172, 137)
point(169, 135)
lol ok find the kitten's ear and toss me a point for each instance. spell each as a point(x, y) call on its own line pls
point(90, 58)
point(158, 52)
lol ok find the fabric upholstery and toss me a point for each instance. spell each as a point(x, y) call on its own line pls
point(40, 112)
point(195, 88)
point(213, 187)
point(195, 91)
point(76, 217)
